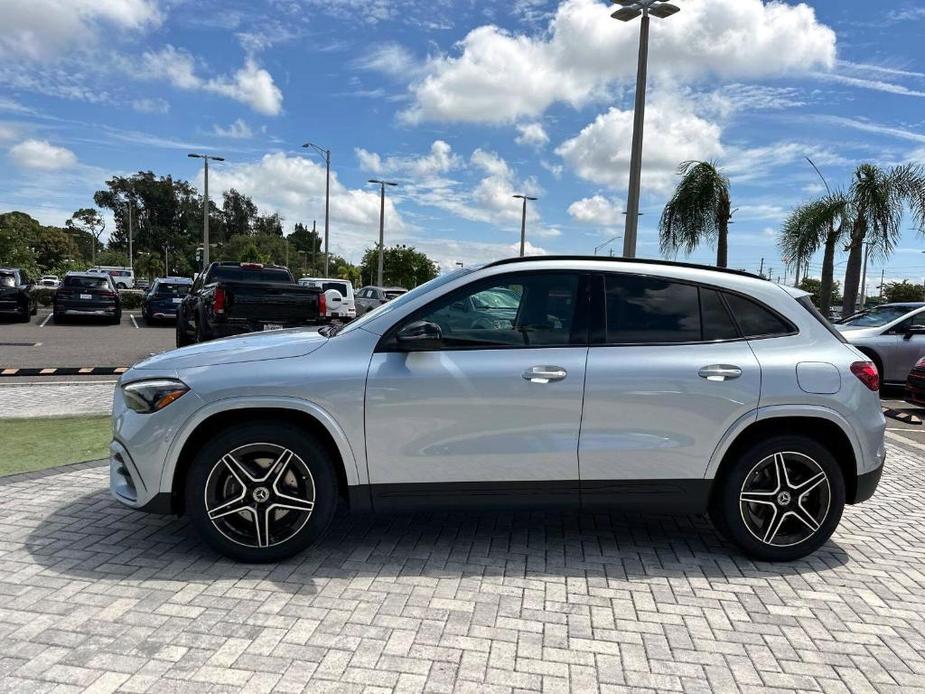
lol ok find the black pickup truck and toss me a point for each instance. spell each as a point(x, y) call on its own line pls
point(232, 298)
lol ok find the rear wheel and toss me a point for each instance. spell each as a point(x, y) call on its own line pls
point(261, 492)
point(781, 500)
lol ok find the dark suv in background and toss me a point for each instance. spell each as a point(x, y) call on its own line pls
point(87, 294)
point(16, 296)
point(162, 299)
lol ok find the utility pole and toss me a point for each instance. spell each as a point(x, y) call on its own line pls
point(131, 264)
point(326, 155)
point(523, 223)
point(314, 237)
point(205, 205)
point(382, 185)
point(761, 269)
point(864, 277)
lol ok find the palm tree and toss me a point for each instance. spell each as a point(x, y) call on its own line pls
point(820, 223)
point(879, 197)
point(698, 212)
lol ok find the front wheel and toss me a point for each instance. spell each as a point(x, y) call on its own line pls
point(781, 500)
point(261, 492)
point(182, 338)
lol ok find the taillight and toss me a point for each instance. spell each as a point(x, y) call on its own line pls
point(920, 364)
point(322, 305)
point(218, 300)
point(867, 374)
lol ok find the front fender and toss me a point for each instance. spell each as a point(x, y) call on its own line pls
point(351, 469)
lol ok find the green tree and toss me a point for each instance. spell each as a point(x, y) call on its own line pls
point(17, 230)
point(895, 292)
point(239, 213)
point(814, 286)
point(54, 248)
point(88, 221)
point(269, 225)
point(306, 247)
point(879, 198)
point(403, 266)
point(698, 212)
point(820, 223)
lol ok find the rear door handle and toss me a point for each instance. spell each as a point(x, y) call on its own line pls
point(720, 372)
point(545, 374)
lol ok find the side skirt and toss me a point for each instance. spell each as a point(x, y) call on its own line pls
point(680, 497)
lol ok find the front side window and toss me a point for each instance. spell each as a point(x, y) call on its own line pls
point(521, 310)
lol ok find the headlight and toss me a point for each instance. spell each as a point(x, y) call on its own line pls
point(154, 395)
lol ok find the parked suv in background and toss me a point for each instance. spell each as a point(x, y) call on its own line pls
point(615, 384)
point(892, 335)
point(16, 295)
point(369, 298)
point(338, 294)
point(87, 294)
point(162, 300)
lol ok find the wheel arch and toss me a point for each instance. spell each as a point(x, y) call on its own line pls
point(225, 414)
point(875, 357)
point(823, 426)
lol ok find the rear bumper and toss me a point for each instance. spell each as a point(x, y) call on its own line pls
point(85, 309)
point(867, 485)
point(227, 328)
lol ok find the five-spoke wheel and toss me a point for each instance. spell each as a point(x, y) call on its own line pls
point(261, 492)
point(781, 499)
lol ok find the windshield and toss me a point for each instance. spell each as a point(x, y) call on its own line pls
point(496, 299)
point(406, 298)
point(877, 317)
point(171, 289)
point(87, 282)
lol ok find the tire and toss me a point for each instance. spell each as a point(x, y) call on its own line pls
point(26, 315)
point(57, 317)
point(220, 485)
point(117, 317)
point(201, 334)
point(182, 339)
point(814, 489)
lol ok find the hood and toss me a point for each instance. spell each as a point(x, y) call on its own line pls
point(276, 344)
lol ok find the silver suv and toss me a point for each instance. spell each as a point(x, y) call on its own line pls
point(659, 387)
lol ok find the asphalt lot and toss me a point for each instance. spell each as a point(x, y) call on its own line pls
point(42, 343)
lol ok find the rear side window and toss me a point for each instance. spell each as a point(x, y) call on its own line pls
point(717, 323)
point(756, 320)
point(651, 310)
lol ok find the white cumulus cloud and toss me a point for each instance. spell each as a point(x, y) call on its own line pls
point(251, 84)
point(533, 134)
point(45, 29)
point(42, 155)
point(239, 130)
point(596, 210)
point(497, 76)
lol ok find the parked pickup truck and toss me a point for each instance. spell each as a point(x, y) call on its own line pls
point(232, 298)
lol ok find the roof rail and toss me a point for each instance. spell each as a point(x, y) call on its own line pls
point(640, 261)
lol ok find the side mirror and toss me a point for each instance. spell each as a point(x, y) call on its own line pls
point(914, 330)
point(419, 335)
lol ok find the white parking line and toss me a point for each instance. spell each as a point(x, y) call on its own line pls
point(134, 322)
point(47, 318)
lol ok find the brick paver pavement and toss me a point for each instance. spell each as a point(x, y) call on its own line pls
point(96, 597)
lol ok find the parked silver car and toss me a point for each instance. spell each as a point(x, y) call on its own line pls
point(892, 335)
point(369, 298)
point(615, 384)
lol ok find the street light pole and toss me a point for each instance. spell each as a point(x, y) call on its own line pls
point(205, 205)
point(131, 264)
point(630, 9)
point(863, 299)
point(382, 185)
point(523, 222)
point(326, 155)
point(606, 243)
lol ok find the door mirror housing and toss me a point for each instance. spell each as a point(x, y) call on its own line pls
point(419, 335)
point(914, 330)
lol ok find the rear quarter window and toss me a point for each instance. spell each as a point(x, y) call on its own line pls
point(755, 320)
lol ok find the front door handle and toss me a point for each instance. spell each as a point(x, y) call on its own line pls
point(720, 372)
point(545, 374)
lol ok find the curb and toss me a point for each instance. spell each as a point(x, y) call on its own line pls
point(64, 371)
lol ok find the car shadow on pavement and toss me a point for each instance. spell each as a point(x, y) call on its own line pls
point(94, 538)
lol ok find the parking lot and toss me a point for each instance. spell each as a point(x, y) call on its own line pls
point(99, 597)
point(42, 343)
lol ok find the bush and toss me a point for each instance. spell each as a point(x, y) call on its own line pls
point(131, 298)
point(45, 296)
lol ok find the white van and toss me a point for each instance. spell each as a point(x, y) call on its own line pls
point(338, 295)
point(122, 277)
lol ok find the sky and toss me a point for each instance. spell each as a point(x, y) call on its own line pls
point(464, 104)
